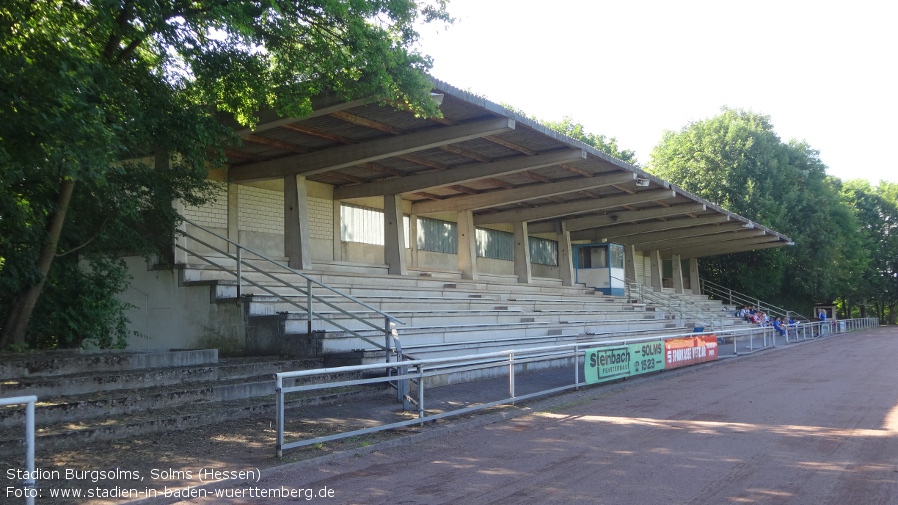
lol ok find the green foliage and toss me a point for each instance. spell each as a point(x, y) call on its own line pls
point(85, 85)
point(737, 161)
point(575, 130)
point(79, 307)
point(876, 209)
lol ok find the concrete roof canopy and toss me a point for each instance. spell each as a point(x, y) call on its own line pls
point(503, 167)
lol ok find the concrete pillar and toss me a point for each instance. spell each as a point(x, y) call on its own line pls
point(565, 258)
point(694, 281)
point(467, 245)
point(630, 263)
point(233, 216)
point(394, 236)
point(338, 231)
point(162, 162)
point(413, 238)
point(655, 260)
point(297, 243)
point(522, 253)
point(677, 273)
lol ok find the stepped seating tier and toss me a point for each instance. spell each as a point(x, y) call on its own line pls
point(438, 310)
point(105, 395)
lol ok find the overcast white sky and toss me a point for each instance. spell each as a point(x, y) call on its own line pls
point(825, 72)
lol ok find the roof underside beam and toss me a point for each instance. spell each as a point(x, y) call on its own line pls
point(578, 207)
point(348, 155)
point(617, 217)
point(658, 226)
point(458, 175)
point(729, 247)
point(508, 196)
point(718, 234)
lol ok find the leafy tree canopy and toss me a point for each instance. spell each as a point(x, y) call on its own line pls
point(88, 84)
point(736, 160)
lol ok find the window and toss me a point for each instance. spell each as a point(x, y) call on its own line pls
point(543, 251)
point(495, 244)
point(617, 255)
point(365, 225)
point(437, 236)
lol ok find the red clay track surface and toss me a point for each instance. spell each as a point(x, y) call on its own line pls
point(815, 423)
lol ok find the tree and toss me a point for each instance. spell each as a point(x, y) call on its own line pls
point(877, 215)
point(88, 84)
point(575, 130)
point(736, 160)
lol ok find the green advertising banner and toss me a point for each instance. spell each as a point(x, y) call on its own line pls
point(607, 363)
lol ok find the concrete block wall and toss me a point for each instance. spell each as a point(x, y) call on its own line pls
point(215, 213)
point(261, 210)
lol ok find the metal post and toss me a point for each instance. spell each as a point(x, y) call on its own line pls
point(279, 397)
point(511, 376)
point(239, 273)
point(576, 367)
point(29, 451)
point(421, 393)
point(309, 312)
point(387, 335)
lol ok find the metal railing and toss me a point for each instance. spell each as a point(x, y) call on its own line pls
point(674, 305)
point(28, 484)
point(306, 292)
point(407, 372)
point(733, 297)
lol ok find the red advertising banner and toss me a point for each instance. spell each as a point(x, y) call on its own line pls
point(689, 350)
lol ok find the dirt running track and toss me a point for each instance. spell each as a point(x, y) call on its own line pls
point(815, 423)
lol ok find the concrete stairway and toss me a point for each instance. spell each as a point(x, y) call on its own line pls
point(102, 395)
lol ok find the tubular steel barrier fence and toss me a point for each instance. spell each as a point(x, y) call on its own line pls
point(407, 372)
point(28, 490)
point(305, 292)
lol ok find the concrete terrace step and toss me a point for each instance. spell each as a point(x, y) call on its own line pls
point(56, 363)
point(473, 333)
point(84, 407)
point(135, 379)
point(201, 273)
point(296, 323)
point(68, 434)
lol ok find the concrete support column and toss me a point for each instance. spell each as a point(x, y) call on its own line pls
point(565, 258)
point(467, 245)
point(162, 162)
point(694, 281)
point(338, 231)
point(297, 243)
point(677, 273)
point(655, 260)
point(522, 253)
point(630, 263)
point(233, 216)
point(394, 236)
point(413, 237)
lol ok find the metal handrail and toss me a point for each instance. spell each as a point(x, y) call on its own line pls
point(29, 482)
point(418, 370)
point(672, 304)
point(307, 292)
point(723, 293)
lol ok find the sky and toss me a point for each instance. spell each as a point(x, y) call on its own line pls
point(824, 72)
